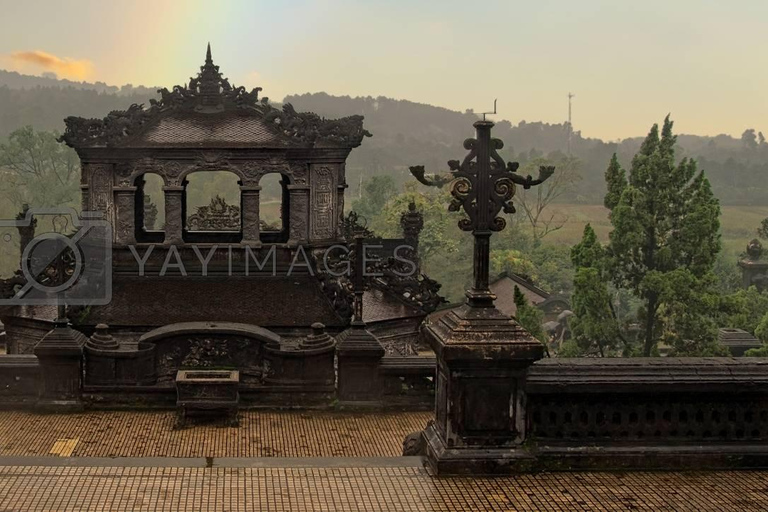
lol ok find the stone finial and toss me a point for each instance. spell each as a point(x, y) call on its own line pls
point(412, 222)
point(102, 339)
point(318, 339)
point(754, 250)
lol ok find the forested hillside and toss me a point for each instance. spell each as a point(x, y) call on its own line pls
point(407, 133)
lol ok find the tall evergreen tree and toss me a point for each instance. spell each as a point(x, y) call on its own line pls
point(594, 324)
point(616, 179)
point(665, 237)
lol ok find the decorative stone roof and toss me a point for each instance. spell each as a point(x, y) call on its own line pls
point(209, 111)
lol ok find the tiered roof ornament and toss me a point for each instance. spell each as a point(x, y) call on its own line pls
point(211, 93)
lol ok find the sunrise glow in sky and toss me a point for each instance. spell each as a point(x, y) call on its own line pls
point(629, 63)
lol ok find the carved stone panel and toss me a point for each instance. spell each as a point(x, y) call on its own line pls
point(340, 210)
point(100, 190)
point(173, 213)
point(299, 214)
point(211, 351)
point(324, 195)
point(125, 221)
point(250, 199)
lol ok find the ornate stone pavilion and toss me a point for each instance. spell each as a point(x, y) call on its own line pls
point(274, 321)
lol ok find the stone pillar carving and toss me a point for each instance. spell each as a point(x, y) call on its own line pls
point(341, 188)
point(100, 183)
point(174, 211)
point(249, 213)
point(85, 202)
point(324, 203)
point(299, 214)
point(125, 221)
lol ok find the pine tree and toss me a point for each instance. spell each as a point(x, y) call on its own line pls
point(594, 324)
point(665, 238)
point(616, 179)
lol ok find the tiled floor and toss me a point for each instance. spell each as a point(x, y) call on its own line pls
point(280, 483)
point(261, 434)
point(368, 489)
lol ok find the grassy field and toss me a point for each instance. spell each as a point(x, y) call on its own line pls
point(738, 224)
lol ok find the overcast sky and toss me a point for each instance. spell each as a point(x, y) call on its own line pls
point(629, 63)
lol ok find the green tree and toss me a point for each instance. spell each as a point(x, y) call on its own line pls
point(594, 325)
point(761, 332)
point(445, 256)
point(749, 139)
point(536, 203)
point(665, 233)
point(376, 192)
point(743, 309)
point(38, 170)
point(616, 180)
point(529, 317)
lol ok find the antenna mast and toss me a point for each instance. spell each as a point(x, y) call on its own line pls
point(570, 125)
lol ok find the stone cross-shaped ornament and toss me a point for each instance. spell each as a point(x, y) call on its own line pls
point(483, 186)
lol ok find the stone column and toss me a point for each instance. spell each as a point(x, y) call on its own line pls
point(340, 209)
point(359, 352)
point(173, 214)
point(298, 222)
point(250, 195)
point(482, 361)
point(85, 201)
point(60, 353)
point(125, 216)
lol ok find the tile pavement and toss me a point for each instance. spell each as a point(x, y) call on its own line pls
point(373, 478)
point(261, 434)
point(396, 489)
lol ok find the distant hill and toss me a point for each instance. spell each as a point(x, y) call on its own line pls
point(407, 133)
point(15, 80)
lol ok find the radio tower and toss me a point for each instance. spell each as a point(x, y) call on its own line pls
point(570, 125)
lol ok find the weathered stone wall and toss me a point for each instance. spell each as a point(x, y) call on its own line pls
point(19, 380)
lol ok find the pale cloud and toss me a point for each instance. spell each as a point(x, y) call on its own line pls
point(270, 88)
point(63, 67)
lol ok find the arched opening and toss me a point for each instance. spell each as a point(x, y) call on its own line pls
point(274, 208)
point(211, 208)
point(149, 215)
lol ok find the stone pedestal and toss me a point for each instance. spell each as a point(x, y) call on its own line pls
point(482, 358)
point(359, 355)
point(60, 353)
point(250, 209)
point(754, 273)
